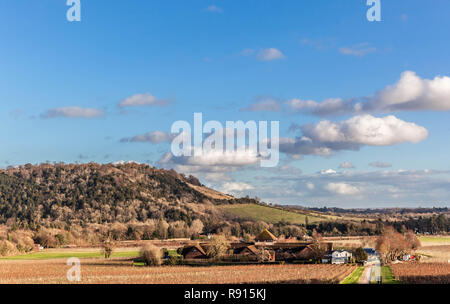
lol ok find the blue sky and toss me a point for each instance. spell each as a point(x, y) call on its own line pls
point(230, 60)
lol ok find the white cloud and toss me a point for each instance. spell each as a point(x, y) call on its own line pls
point(214, 9)
point(346, 165)
point(412, 93)
point(139, 100)
point(325, 137)
point(124, 162)
point(310, 186)
point(342, 189)
point(221, 158)
point(367, 130)
point(73, 112)
point(230, 187)
point(331, 106)
point(270, 54)
point(409, 93)
point(154, 137)
point(211, 165)
point(359, 50)
point(328, 171)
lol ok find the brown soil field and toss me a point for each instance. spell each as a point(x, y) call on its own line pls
point(422, 273)
point(121, 271)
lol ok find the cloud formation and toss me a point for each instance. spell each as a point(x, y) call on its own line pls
point(233, 187)
point(154, 137)
point(381, 188)
point(214, 9)
point(142, 100)
point(270, 54)
point(214, 159)
point(325, 137)
point(73, 112)
point(409, 93)
point(359, 50)
point(266, 104)
point(331, 106)
point(342, 188)
point(346, 165)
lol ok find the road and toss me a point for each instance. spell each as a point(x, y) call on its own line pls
point(372, 274)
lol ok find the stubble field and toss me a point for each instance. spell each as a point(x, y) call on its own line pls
point(121, 271)
point(422, 273)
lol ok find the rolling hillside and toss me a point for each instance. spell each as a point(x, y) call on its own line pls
point(269, 214)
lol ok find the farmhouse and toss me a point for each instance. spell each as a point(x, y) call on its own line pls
point(340, 257)
point(194, 252)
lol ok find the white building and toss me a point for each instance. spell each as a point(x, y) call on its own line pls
point(340, 257)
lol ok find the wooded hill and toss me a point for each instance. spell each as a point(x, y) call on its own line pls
point(92, 193)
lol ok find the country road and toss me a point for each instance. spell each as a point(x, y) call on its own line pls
point(372, 274)
point(365, 278)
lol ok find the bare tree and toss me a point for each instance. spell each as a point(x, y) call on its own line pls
point(107, 247)
point(218, 247)
point(318, 247)
point(392, 244)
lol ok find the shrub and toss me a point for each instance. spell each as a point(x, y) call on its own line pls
point(7, 248)
point(107, 248)
point(45, 239)
point(151, 255)
point(174, 260)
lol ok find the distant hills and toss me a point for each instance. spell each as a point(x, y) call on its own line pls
point(62, 195)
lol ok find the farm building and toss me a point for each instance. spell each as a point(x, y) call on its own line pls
point(194, 252)
point(326, 259)
point(247, 250)
point(371, 252)
point(291, 253)
point(265, 236)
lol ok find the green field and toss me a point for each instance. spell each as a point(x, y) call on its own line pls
point(354, 277)
point(435, 239)
point(268, 214)
point(387, 277)
point(65, 255)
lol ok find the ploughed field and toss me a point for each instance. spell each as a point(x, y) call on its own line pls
point(422, 273)
point(121, 271)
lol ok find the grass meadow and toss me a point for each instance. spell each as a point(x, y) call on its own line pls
point(268, 214)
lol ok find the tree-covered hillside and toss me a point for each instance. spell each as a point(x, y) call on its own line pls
point(93, 193)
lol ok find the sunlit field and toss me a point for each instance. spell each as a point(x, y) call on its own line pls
point(122, 271)
point(422, 273)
